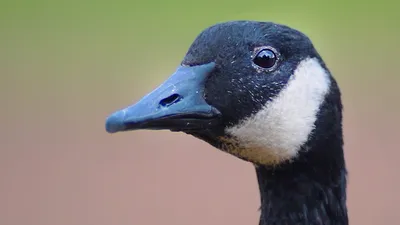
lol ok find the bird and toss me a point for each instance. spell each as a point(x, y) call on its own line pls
point(261, 92)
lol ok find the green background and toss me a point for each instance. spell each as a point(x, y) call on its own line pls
point(65, 65)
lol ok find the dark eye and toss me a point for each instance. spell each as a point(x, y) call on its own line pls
point(265, 58)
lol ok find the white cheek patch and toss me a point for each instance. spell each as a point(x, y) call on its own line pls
point(277, 132)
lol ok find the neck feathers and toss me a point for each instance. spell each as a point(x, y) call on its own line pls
point(311, 189)
point(301, 200)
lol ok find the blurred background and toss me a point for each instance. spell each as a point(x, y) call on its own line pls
point(66, 65)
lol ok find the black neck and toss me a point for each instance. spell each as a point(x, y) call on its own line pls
point(303, 199)
point(312, 188)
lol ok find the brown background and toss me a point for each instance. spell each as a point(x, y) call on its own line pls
point(65, 67)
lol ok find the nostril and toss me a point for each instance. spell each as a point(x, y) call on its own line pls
point(170, 100)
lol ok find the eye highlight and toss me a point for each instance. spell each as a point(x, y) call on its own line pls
point(265, 58)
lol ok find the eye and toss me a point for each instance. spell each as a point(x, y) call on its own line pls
point(265, 58)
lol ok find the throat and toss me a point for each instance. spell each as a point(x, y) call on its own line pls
point(295, 194)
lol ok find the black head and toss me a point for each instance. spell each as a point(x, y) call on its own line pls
point(238, 87)
point(253, 89)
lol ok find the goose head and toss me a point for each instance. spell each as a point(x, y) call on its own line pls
point(256, 90)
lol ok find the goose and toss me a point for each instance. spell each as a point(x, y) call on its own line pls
point(261, 92)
